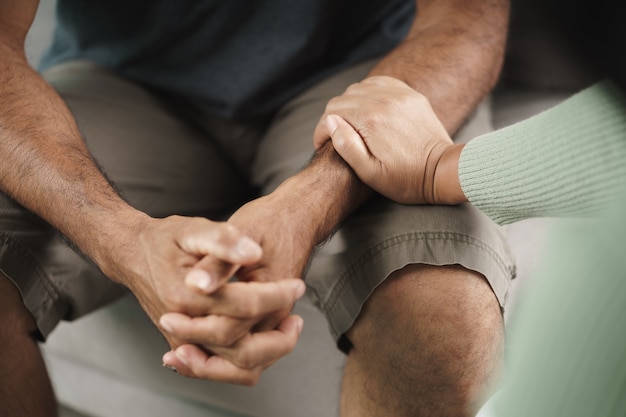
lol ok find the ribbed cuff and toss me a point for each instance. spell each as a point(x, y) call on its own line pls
point(565, 161)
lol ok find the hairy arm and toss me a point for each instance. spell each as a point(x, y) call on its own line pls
point(452, 54)
point(324, 193)
point(45, 164)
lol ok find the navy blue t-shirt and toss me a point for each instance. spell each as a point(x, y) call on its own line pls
point(238, 58)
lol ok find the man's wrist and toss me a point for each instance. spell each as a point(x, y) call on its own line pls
point(447, 185)
point(115, 241)
point(322, 194)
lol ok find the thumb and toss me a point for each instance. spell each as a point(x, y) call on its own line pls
point(320, 134)
point(350, 146)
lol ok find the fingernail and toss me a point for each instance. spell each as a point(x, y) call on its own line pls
point(247, 247)
point(331, 123)
point(200, 279)
point(171, 368)
point(166, 324)
point(300, 325)
point(181, 357)
point(166, 358)
point(299, 288)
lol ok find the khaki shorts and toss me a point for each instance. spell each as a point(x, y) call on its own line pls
point(169, 157)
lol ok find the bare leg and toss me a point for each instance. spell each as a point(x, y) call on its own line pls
point(428, 342)
point(25, 388)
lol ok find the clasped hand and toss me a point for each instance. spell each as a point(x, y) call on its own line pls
point(219, 329)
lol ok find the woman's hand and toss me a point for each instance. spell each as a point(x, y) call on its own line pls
point(390, 136)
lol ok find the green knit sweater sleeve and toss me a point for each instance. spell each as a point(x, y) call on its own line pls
point(566, 161)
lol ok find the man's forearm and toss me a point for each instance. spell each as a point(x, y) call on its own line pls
point(453, 55)
point(323, 193)
point(46, 166)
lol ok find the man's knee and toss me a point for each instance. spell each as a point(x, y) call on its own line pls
point(433, 335)
point(450, 300)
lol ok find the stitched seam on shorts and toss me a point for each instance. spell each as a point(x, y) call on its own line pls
point(341, 284)
point(29, 264)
